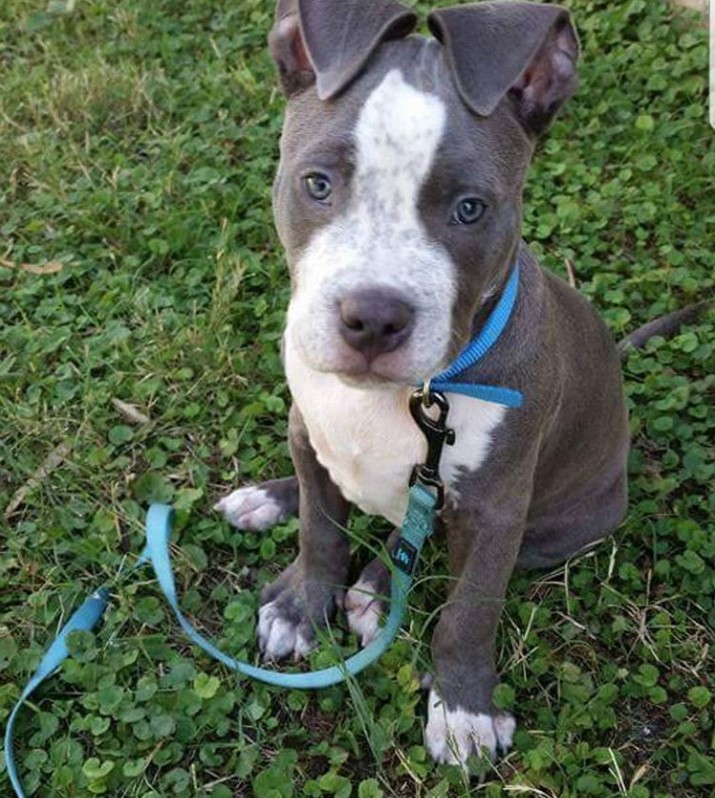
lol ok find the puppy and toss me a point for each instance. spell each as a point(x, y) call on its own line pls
point(398, 200)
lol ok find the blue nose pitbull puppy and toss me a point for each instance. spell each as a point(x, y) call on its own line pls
point(398, 200)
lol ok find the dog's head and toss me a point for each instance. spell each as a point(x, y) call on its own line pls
point(398, 195)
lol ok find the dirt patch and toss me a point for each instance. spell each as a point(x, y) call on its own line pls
point(697, 5)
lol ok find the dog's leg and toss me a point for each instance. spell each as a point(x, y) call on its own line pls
point(259, 507)
point(462, 720)
point(305, 595)
point(366, 600)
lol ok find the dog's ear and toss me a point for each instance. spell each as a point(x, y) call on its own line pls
point(525, 50)
point(329, 41)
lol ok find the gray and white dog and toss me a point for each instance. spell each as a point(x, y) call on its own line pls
point(398, 199)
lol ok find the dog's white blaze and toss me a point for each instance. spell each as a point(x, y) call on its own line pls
point(366, 438)
point(378, 239)
point(397, 134)
point(454, 735)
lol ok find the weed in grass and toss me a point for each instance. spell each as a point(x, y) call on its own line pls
point(137, 148)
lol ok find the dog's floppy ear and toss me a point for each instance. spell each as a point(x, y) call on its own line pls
point(329, 41)
point(526, 50)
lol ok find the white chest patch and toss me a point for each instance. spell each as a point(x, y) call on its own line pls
point(368, 441)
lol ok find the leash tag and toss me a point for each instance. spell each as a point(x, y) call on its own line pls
point(437, 434)
point(405, 556)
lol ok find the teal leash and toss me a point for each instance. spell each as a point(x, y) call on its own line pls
point(417, 527)
point(426, 496)
point(85, 618)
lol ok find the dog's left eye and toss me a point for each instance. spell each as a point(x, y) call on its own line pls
point(318, 186)
point(468, 211)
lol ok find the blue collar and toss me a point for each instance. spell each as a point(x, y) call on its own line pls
point(478, 347)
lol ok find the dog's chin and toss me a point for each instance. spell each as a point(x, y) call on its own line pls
point(368, 380)
point(379, 374)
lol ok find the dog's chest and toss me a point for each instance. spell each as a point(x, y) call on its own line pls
point(368, 442)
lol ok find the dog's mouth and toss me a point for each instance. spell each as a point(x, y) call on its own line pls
point(367, 379)
point(372, 376)
point(384, 371)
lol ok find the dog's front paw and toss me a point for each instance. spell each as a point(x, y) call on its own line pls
point(363, 610)
point(365, 601)
point(259, 507)
point(282, 632)
point(292, 610)
point(453, 735)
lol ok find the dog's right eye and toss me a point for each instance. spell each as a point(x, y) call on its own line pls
point(318, 186)
point(468, 211)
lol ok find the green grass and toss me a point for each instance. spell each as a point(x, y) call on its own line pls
point(137, 146)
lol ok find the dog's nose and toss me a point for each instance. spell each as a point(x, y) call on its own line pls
point(375, 321)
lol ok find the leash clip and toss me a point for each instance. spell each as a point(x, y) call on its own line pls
point(437, 434)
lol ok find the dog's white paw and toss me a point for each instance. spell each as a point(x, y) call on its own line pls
point(363, 609)
point(251, 508)
point(280, 637)
point(453, 735)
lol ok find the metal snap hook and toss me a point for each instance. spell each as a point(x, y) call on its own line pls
point(437, 434)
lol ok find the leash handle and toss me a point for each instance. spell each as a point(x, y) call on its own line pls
point(416, 528)
point(83, 619)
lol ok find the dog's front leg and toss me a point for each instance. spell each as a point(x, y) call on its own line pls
point(304, 596)
point(462, 720)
